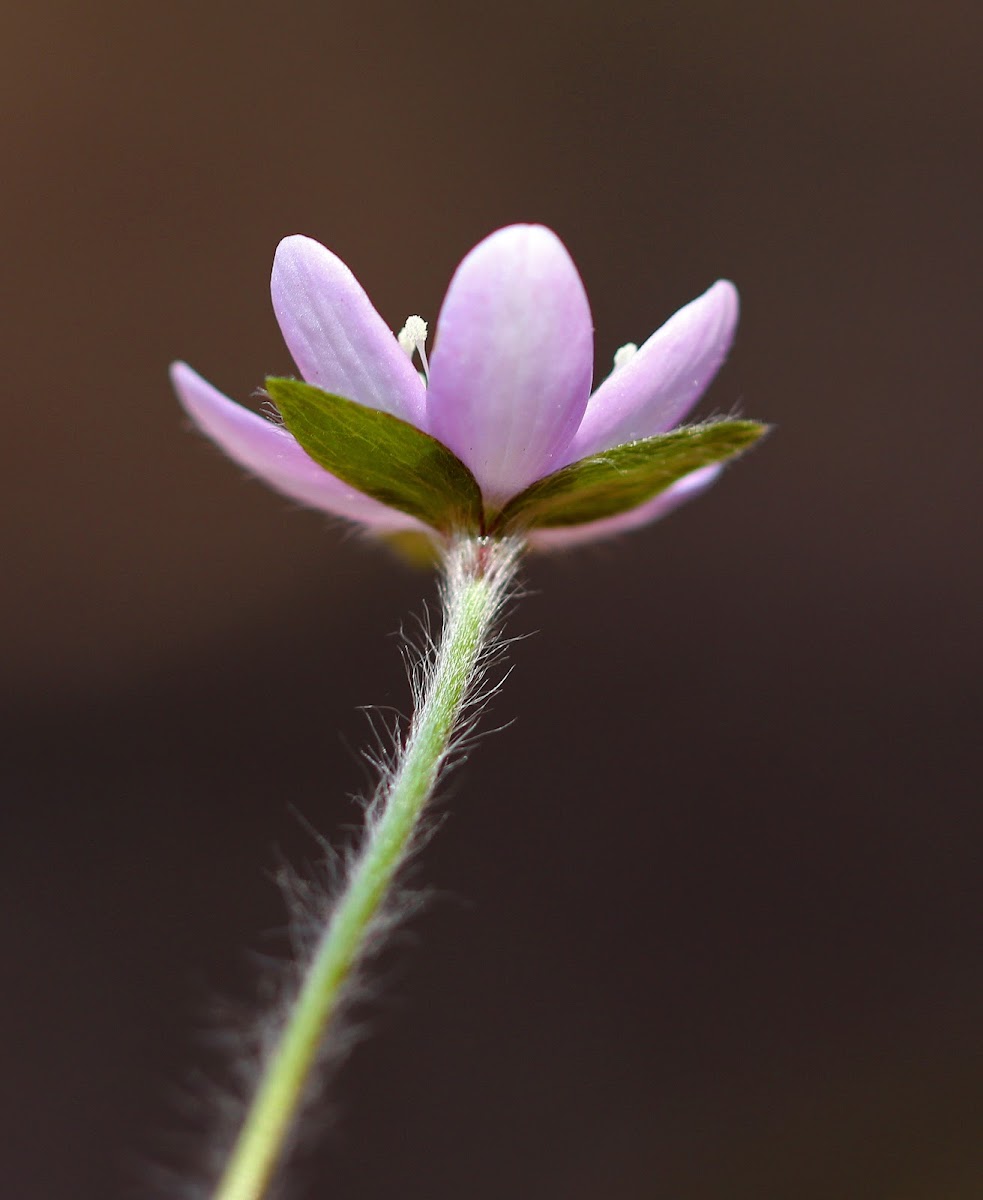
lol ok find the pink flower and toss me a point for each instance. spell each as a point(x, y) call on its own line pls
point(507, 387)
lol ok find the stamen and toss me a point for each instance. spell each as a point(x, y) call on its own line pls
point(624, 355)
point(413, 338)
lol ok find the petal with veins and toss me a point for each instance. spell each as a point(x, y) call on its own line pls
point(658, 386)
point(572, 535)
point(337, 339)
point(511, 367)
point(271, 454)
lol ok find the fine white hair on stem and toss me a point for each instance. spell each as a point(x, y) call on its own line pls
point(344, 908)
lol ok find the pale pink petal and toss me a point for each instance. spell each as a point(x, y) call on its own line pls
point(511, 367)
point(655, 389)
point(337, 339)
point(573, 535)
point(271, 453)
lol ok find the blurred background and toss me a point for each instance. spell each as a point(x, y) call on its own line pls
point(705, 915)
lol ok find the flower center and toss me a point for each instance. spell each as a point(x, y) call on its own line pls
point(413, 339)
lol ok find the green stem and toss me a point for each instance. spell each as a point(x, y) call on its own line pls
point(476, 576)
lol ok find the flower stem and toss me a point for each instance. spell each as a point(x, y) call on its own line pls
point(476, 577)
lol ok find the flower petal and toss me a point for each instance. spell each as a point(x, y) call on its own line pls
point(337, 339)
point(573, 535)
point(511, 368)
point(271, 453)
point(657, 387)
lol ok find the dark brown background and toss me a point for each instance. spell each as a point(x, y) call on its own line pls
point(705, 923)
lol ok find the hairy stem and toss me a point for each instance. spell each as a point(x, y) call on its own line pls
point(476, 578)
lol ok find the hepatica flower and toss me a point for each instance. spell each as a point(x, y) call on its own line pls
point(498, 433)
point(491, 444)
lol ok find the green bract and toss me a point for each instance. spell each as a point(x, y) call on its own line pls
point(619, 479)
point(381, 455)
point(395, 462)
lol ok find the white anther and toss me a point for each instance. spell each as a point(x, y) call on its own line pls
point(624, 355)
point(413, 339)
